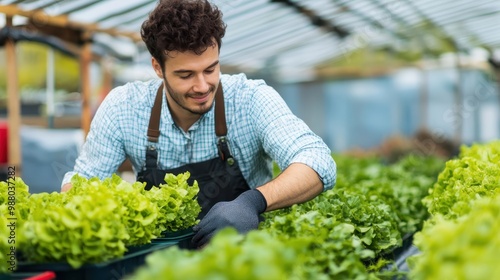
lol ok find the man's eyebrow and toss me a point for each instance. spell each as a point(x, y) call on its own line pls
point(180, 71)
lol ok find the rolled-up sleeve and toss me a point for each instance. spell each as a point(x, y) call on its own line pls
point(103, 152)
point(287, 139)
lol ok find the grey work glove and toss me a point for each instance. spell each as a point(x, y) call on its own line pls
point(241, 213)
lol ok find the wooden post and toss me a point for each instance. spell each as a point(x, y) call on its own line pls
point(85, 60)
point(13, 105)
point(50, 78)
point(107, 79)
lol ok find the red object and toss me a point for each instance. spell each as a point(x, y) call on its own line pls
point(48, 275)
point(4, 141)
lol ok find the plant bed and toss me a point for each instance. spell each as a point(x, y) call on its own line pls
point(113, 269)
point(396, 253)
point(398, 257)
point(182, 238)
point(48, 275)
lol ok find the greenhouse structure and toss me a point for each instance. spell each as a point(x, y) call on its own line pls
point(263, 139)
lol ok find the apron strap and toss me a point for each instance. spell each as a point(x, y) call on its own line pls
point(220, 114)
point(151, 157)
point(154, 119)
point(220, 123)
point(221, 128)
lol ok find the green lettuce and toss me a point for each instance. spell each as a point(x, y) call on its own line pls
point(228, 256)
point(177, 202)
point(475, 174)
point(138, 213)
point(463, 248)
point(14, 208)
point(83, 229)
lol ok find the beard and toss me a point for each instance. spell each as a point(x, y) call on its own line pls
point(182, 99)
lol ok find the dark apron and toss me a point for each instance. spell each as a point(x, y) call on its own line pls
point(219, 179)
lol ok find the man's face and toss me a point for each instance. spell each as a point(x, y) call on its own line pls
point(191, 81)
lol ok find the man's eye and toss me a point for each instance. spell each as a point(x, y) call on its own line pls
point(185, 77)
point(209, 70)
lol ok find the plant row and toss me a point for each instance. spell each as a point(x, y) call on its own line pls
point(461, 239)
point(344, 233)
point(97, 220)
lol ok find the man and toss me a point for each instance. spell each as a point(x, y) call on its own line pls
point(224, 129)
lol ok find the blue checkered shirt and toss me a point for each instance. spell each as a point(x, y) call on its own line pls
point(261, 128)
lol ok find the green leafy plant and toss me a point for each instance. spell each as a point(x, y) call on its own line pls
point(15, 193)
point(138, 213)
point(177, 202)
point(460, 240)
point(475, 174)
point(465, 248)
point(333, 251)
point(14, 210)
point(85, 229)
point(4, 241)
point(366, 215)
point(228, 256)
point(98, 220)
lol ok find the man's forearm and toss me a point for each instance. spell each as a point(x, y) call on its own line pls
point(296, 184)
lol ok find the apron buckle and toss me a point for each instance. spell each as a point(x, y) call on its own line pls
point(224, 152)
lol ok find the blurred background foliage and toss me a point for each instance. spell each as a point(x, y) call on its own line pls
point(32, 69)
point(419, 42)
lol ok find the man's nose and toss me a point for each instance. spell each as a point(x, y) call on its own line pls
point(201, 84)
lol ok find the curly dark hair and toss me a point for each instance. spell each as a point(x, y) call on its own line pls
point(182, 25)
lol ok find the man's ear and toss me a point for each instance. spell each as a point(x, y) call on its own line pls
point(157, 68)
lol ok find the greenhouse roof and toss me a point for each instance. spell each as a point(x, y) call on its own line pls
point(290, 34)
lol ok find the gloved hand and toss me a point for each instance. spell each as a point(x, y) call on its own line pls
point(241, 213)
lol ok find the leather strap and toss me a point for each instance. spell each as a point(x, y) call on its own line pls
point(154, 119)
point(220, 114)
